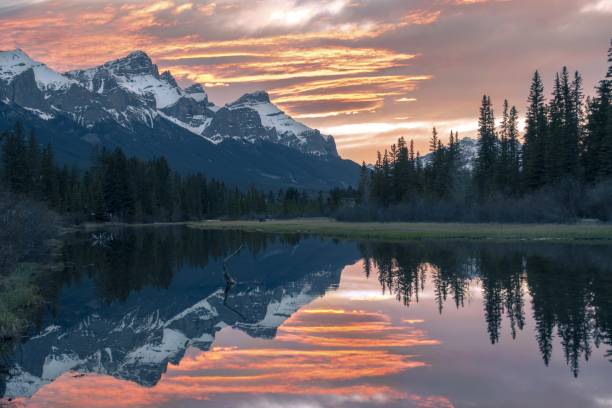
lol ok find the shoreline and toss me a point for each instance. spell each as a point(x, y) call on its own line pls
point(403, 231)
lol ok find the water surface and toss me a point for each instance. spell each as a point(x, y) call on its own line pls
point(156, 317)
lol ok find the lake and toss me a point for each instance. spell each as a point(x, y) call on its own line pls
point(189, 318)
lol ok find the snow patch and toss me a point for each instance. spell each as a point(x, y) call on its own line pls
point(274, 118)
point(278, 312)
point(56, 365)
point(203, 308)
point(47, 331)
point(20, 383)
point(40, 114)
point(193, 129)
point(171, 344)
point(14, 63)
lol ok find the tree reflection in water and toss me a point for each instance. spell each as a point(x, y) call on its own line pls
point(570, 286)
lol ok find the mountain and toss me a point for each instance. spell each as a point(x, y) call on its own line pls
point(134, 337)
point(128, 103)
point(469, 151)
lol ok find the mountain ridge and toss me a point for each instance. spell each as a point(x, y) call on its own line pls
point(128, 103)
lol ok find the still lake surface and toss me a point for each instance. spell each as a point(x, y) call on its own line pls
point(156, 317)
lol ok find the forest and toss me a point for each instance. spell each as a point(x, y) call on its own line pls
point(120, 188)
point(558, 170)
point(561, 170)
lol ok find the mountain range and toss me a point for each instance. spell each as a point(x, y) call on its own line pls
point(128, 103)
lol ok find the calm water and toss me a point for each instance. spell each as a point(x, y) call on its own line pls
point(154, 317)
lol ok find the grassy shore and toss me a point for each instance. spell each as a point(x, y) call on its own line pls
point(397, 231)
point(19, 298)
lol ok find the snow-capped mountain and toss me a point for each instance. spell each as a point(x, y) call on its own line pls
point(133, 89)
point(253, 117)
point(128, 103)
point(15, 63)
point(130, 91)
point(469, 151)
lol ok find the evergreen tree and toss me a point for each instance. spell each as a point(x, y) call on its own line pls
point(33, 158)
point(486, 163)
point(554, 150)
point(15, 164)
point(364, 185)
point(504, 163)
point(597, 142)
point(434, 142)
point(514, 155)
point(534, 155)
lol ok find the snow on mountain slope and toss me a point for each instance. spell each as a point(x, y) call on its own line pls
point(469, 151)
point(14, 63)
point(136, 74)
point(271, 116)
point(254, 118)
point(131, 91)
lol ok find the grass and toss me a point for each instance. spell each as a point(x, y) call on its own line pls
point(19, 298)
point(398, 231)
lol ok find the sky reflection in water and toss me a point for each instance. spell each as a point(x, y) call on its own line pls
point(362, 345)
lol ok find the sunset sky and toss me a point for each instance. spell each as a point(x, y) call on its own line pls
point(365, 71)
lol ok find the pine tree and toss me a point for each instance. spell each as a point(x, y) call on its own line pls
point(534, 154)
point(503, 166)
point(15, 164)
point(597, 142)
point(514, 155)
point(364, 185)
point(434, 142)
point(402, 171)
point(33, 157)
point(49, 183)
point(486, 162)
point(554, 150)
point(573, 123)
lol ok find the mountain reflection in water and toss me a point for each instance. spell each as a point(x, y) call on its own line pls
point(150, 319)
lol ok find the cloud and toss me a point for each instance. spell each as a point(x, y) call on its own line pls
point(8, 5)
point(336, 65)
point(600, 6)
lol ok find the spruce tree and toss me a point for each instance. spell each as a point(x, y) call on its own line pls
point(434, 142)
point(364, 185)
point(503, 166)
point(49, 183)
point(514, 153)
point(33, 163)
point(15, 164)
point(534, 155)
point(597, 144)
point(487, 160)
point(555, 141)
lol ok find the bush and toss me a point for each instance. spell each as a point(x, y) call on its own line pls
point(19, 298)
point(598, 202)
point(566, 201)
point(25, 226)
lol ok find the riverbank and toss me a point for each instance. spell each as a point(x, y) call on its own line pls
point(397, 231)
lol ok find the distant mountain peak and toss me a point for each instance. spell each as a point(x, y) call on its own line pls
point(135, 63)
point(257, 97)
point(469, 151)
point(16, 62)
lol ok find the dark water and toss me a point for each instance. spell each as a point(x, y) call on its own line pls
point(154, 317)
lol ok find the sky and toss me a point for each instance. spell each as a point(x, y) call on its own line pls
point(365, 71)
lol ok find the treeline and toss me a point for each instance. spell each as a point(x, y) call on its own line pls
point(561, 171)
point(120, 188)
